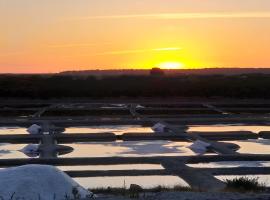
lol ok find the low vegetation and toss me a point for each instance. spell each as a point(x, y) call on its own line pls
point(245, 184)
point(64, 86)
point(241, 185)
point(127, 192)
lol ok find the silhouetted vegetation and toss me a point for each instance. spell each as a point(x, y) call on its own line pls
point(62, 86)
point(245, 184)
point(126, 191)
point(157, 72)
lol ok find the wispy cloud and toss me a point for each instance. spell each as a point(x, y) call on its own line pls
point(168, 49)
point(76, 45)
point(134, 51)
point(182, 16)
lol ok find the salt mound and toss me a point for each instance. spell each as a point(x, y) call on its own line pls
point(31, 150)
point(159, 128)
point(34, 129)
point(199, 147)
point(38, 182)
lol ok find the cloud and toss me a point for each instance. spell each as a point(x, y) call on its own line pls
point(212, 15)
point(168, 49)
point(134, 51)
point(77, 45)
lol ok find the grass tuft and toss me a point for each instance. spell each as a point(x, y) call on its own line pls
point(245, 184)
point(125, 191)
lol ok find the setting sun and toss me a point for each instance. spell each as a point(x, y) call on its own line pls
point(105, 35)
point(171, 65)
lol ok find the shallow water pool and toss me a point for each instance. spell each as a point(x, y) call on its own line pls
point(130, 148)
point(224, 128)
point(117, 129)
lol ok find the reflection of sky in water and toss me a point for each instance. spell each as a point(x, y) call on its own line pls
point(127, 149)
point(231, 164)
point(118, 130)
point(137, 148)
point(12, 130)
point(11, 151)
point(143, 148)
point(112, 167)
point(254, 146)
point(224, 128)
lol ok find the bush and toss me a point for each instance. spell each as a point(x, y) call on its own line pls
point(57, 86)
point(245, 184)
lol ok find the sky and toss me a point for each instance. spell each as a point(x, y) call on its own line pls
point(58, 35)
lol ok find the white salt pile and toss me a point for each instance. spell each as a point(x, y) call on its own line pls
point(139, 106)
point(199, 147)
point(39, 182)
point(31, 150)
point(159, 128)
point(34, 129)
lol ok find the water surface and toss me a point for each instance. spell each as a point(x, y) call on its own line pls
point(224, 128)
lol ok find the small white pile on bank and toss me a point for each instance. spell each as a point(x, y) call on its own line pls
point(34, 129)
point(159, 128)
point(199, 147)
point(38, 182)
point(31, 150)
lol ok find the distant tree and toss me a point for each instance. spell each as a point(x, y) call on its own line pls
point(154, 85)
point(157, 72)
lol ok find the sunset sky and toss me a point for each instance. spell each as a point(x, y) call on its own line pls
point(40, 36)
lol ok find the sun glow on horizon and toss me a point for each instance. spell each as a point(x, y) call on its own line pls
point(106, 35)
point(171, 65)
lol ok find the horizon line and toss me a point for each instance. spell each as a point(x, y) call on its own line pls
point(137, 69)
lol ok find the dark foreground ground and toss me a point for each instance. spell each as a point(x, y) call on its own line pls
point(193, 196)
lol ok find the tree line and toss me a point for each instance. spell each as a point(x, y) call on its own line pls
point(63, 86)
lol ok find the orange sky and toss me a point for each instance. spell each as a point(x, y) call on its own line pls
point(52, 36)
